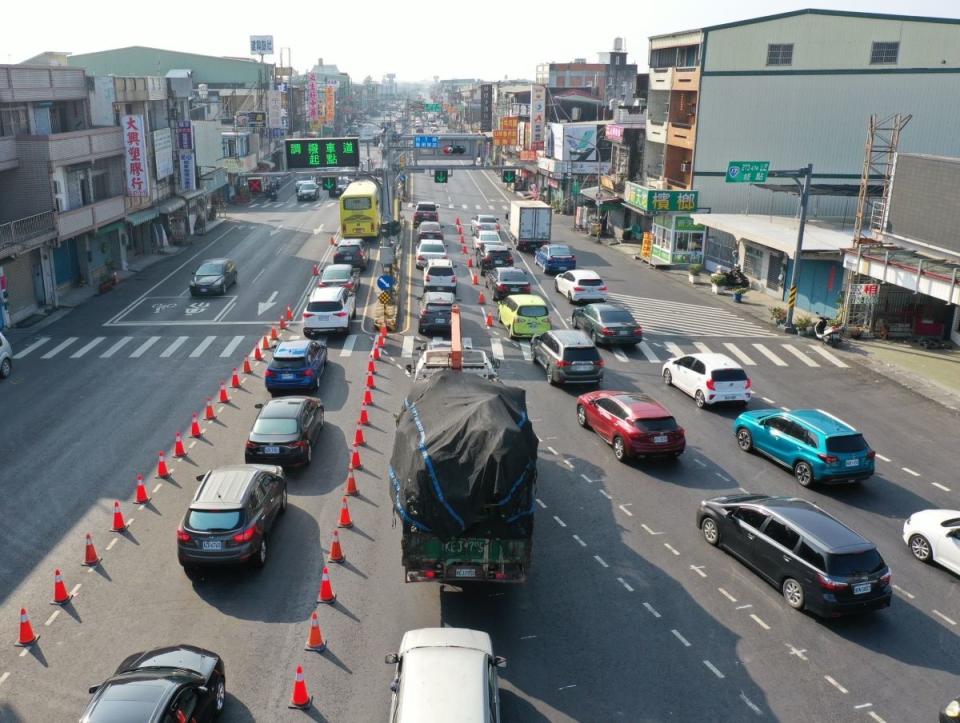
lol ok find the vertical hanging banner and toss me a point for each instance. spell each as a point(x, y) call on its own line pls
point(486, 107)
point(135, 156)
point(188, 178)
point(313, 97)
point(538, 116)
point(330, 104)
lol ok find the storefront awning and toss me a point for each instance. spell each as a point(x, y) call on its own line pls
point(605, 196)
point(141, 217)
point(907, 269)
point(778, 232)
point(190, 195)
point(171, 205)
point(265, 165)
point(110, 227)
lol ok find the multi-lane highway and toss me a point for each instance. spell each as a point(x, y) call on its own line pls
point(627, 615)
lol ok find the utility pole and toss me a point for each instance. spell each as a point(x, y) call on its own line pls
point(806, 174)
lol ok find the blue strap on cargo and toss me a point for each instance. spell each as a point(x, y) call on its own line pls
point(422, 446)
point(520, 480)
point(398, 506)
point(523, 513)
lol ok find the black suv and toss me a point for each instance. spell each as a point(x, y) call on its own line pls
point(568, 357)
point(231, 515)
point(816, 562)
point(351, 251)
point(505, 280)
point(492, 256)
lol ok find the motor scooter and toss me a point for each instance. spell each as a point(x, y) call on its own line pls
point(272, 193)
point(826, 332)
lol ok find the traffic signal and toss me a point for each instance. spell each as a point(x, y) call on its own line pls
point(508, 176)
point(329, 183)
point(440, 176)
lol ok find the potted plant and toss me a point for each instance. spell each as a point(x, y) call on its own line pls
point(803, 324)
point(717, 282)
point(778, 315)
point(693, 272)
point(739, 292)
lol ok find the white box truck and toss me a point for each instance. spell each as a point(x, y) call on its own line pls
point(530, 224)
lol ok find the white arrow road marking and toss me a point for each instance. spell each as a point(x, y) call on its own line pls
point(264, 306)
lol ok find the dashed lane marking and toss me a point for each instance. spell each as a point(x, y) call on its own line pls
point(877, 718)
point(910, 471)
point(727, 595)
point(605, 494)
point(624, 510)
point(768, 400)
point(552, 451)
point(940, 486)
point(157, 488)
point(53, 616)
point(644, 526)
point(750, 704)
point(112, 543)
point(678, 636)
point(700, 462)
point(559, 521)
point(625, 584)
point(744, 607)
point(572, 685)
point(881, 457)
point(651, 609)
point(672, 549)
point(587, 479)
point(4, 677)
point(76, 589)
point(722, 476)
point(540, 502)
point(835, 684)
point(944, 617)
point(863, 706)
point(759, 621)
point(699, 570)
point(600, 560)
point(713, 669)
point(579, 541)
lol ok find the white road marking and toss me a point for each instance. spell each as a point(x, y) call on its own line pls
point(799, 652)
point(759, 621)
point(910, 471)
point(559, 521)
point(940, 486)
point(605, 494)
point(881, 457)
point(157, 488)
point(552, 451)
point(673, 348)
point(579, 541)
point(53, 616)
point(407, 350)
point(618, 353)
point(713, 669)
point(877, 718)
point(835, 684)
point(786, 409)
point(525, 350)
point(863, 706)
point(59, 347)
point(700, 462)
point(744, 607)
point(348, 345)
point(464, 206)
point(625, 511)
point(650, 607)
point(648, 353)
point(142, 349)
point(600, 560)
point(231, 347)
point(770, 355)
point(944, 617)
point(116, 347)
point(496, 346)
point(672, 549)
point(678, 636)
point(177, 343)
point(699, 570)
point(76, 589)
point(750, 704)
point(562, 687)
point(735, 350)
point(727, 595)
point(722, 476)
point(800, 355)
point(568, 464)
point(112, 543)
point(829, 357)
point(702, 347)
point(768, 400)
point(84, 349)
point(587, 479)
point(625, 584)
point(527, 637)
point(4, 677)
point(202, 347)
point(27, 349)
point(540, 502)
point(649, 530)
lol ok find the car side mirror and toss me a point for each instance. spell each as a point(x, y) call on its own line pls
point(93, 689)
point(259, 405)
point(200, 477)
point(391, 659)
point(500, 662)
point(409, 368)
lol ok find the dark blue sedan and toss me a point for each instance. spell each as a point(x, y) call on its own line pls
point(555, 258)
point(296, 366)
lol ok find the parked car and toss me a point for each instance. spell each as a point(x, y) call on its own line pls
point(634, 424)
point(505, 280)
point(351, 251)
point(814, 560)
point(308, 191)
point(285, 431)
point(231, 515)
point(554, 258)
point(493, 256)
point(445, 674)
point(567, 356)
point(430, 230)
point(345, 275)
point(524, 315)
point(709, 378)
point(296, 365)
point(486, 237)
point(934, 536)
point(213, 276)
point(329, 309)
point(815, 445)
point(439, 275)
point(435, 313)
point(428, 250)
point(607, 324)
point(484, 222)
point(425, 211)
point(6, 357)
point(163, 685)
point(581, 285)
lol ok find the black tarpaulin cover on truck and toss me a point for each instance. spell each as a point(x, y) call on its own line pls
point(464, 454)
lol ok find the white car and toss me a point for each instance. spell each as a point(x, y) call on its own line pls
point(445, 674)
point(934, 536)
point(6, 357)
point(484, 222)
point(428, 250)
point(486, 236)
point(439, 275)
point(308, 191)
point(581, 285)
point(708, 378)
point(329, 309)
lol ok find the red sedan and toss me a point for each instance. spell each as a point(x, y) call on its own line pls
point(634, 424)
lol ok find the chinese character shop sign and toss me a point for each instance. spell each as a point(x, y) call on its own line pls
point(656, 201)
point(322, 153)
point(135, 156)
point(330, 104)
point(313, 97)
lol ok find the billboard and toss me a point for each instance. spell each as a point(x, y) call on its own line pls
point(653, 199)
point(322, 153)
point(313, 99)
point(538, 115)
point(135, 156)
point(504, 138)
point(486, 107)
point(163, 152)
point(573, 142)
point(261, 45)
point(188, 176)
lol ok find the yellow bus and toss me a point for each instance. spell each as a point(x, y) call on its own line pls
point(360, 210)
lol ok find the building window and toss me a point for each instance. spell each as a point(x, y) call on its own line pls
point(884, 53)
point(780, 54)
point(753, 261)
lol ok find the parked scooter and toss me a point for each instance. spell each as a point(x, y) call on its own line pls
point(735, 278)
point(826, 332)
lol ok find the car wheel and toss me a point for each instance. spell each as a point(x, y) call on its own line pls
point(920, 547)
point(793, 593)
point(309, 454)
point(582, 417)
point(260, 559)
point(667, 378)
point(570, 296)
point(744, 440)
point(619, 449)
point(220, 697)
point(556, 286)
point(803, 474)
point(550, 379)
point(6, 367)
point(711, 533)
point(700, 399)
point(223, 288)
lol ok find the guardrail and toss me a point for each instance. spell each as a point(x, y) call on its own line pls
point(24, 229)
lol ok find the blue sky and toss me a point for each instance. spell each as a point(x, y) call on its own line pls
point(482, 38)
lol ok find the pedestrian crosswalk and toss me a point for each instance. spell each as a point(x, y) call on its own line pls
point(480, 207)
point(662, 317)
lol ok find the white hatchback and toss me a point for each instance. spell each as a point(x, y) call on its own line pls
point(708, 378)
point(439, 275)
point(581, 285)
point(934, 536)
point(486, 237)
point(428, 250)
point(329, 309)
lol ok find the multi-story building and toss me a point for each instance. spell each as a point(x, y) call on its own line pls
point(61, 189)
point(612, 79)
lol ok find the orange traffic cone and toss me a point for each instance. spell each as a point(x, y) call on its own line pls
point(27, 636)
point(463, 250)
point(370, 382)
point(474, 278)
point(235, 379)
point(333, 241)
point(301, 699)
point(482, 299)
point(316, 272)
point(247, 369)
point(90, 556)
point(489, 320)
point(458, 221)
point(364, 417)
point(315, 638)
point(351, 488)
point(60, 594)
point(326, 589)
point(336, 552)
point(274, 336)
point(371, 367)
point(162, 471)
point(142, 497)
point(345, 520)
point(257, 356)
point(178, 450)
point(358, 440)
point(283, 323)
point(355, 459)
point(383, 330)
point(224, 397)
point(368, 398)
point(381, 341)
point(209, 413)
point(470, 262)
point(289, 313)
point(119, 525)
point(376, 353)
point(195, 430)
point(265, 344)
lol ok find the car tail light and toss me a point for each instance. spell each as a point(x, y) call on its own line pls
point(348, 285)
point(183, 535)
point(453, 279)
point(885, 579)
point(711, 385)
point(246, 535)
point(501, 287)
point(638, 330)
point(563, 363)
point(599, 363)
point(573, 258)
point(307, 315)
point(429, 574)
point(420, 257)
point(427, 279)
point(603, 288)
point(526, 288)
point(498, 227)
point(606, 331)
point(308, 372)
point(320, 284)
point(300, 444)
point(341, 314)
point(828, 583)
point(578, 288)
point(748, 384)
point(871, 454)
point(829, 458)
point(509, 259)
point(269, 373)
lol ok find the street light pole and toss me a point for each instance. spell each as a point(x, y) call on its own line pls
point(807, 174)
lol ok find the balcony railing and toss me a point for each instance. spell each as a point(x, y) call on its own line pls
point(23, 231)
point(90, 144)
point(87, 218)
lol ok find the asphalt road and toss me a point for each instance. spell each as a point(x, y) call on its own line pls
point(628, 614)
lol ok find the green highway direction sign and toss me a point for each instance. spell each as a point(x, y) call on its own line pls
point(747, 171)
point(440, 176)
point(431, 107)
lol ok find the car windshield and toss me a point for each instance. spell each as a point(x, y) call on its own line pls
point(847, 443)
point(433, 248)
point(210, 270)
point(580, 353)
point(728, 375)
point(489, 236)
point(275, 425)
point(857, 563)
point(440, 271)
point(487, 219)
point(533, 311)
point(287, 362)
point(589, 282)
point(616, 316)
point(214, 520)
point(308, 186)
point(659, 424)
point(513, 275)
point(560, 251)
point(426, 207)
point(323, 306)
point(437, 308)
point(337, 274)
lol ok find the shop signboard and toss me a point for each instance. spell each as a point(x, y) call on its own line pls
point(509, 123)
point(486, 107)
point(261, 45)
point(135, 156)
point(330, 103)
point(538, 116)
point(528, 155)
point(163, 152)
point(646, 248)
point(655, 200)
point(188, 178)
point(686, 223)
point(184, 135)
point(504, 138)
point(313, 99)
point(614, 132)
point(864, 293)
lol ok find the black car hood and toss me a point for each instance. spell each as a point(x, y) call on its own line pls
point(184, 657)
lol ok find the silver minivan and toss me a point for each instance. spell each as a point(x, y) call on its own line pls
point(6, 358)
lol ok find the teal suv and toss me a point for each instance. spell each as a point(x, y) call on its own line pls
point(815, 445)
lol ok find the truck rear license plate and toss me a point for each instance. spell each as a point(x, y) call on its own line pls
point(465, 572)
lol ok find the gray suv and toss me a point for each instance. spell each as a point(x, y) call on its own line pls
point(231, 516)
point(568, 357)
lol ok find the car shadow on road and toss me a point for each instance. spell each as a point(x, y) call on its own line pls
point(234, 710)
point(334, 390)
point(878, 495)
